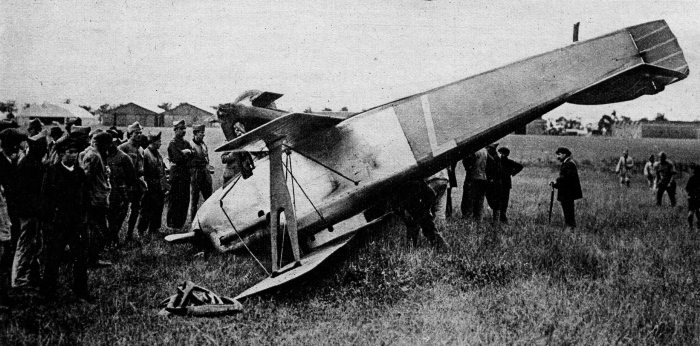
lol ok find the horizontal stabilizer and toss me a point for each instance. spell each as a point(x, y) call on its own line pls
point(292, 127)
point(264, 99)
point(180, 238)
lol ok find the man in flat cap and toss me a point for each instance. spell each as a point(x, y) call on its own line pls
point(64, 205)
point(132, 147)
point(92, 161)
point(200, 177)
point(568, 186)
point(30, 174)
point(154, 173)
point(122, 179)
point(180, 154)
point(509, 169)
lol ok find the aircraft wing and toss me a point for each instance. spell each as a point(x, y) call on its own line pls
point(292, 127)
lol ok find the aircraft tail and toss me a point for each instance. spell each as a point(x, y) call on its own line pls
point(661, 62)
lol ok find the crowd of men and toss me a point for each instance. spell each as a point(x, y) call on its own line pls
point(75, 189)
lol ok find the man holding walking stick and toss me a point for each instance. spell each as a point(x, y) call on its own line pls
point(569, 187)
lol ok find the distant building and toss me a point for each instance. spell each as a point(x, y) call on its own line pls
point(191, 114)
point(535, 127)
point(657, 129)
point(129, 113)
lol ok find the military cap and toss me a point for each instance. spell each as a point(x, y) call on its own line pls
point(8, 124)
point(35, 124)
point(153, 137)
point(38, 142)
point(68, 142)
point(103, 138)
point(117, 133)
point(134, 127)
point(562, 150)
point(73, 122)
point(198, 128)
point(12, 136)
point(179, 123)
point(94, 132)
point(56, 132)
point(83, 130)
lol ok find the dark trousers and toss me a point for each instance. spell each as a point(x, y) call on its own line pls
point(473, 199)
point(25, 267)
point(118, 208)
point(134, 212)
point(568, 207)
point(504, 200)
point(200, 183)
point(151, 212)
point(670, 189)
point(97, 231)
point(178, 200)
point(57, 236)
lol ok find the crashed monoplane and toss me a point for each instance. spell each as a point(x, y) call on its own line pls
point(317, 175)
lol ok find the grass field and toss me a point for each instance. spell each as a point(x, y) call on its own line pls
point(627, 275)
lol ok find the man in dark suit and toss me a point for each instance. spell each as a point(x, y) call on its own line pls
point(509, 168)
point(569, 186)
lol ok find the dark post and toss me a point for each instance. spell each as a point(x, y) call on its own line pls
point(576, 31)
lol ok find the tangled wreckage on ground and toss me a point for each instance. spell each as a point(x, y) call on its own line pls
point(319, 174)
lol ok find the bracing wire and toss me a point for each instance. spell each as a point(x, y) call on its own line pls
point(221, 205)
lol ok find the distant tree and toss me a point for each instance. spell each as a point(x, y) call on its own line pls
point(643, 120)
point(166, 106)
point(344, 109)
point(625, 120)
point(660, 117)
point(327, 109)
point(9, 107)
point(87, 108)
point(105, 108)
point(308, 110)
point(605, 123)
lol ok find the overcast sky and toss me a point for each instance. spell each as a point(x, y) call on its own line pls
point(320, 54)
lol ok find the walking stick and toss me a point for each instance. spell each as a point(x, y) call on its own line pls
point(551, 202)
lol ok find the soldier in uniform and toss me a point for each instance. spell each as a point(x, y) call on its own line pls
point(10, 139)
point(179, 153)
point(154, 173)
point(624, 167)
point(92, 161)
point(30, 174)
point(665, 179)
point(237, 163)
point(64, 205)
point(34, 127)
point(475, 185)
point(200, 176)
point(132, 147)
point(123, 181)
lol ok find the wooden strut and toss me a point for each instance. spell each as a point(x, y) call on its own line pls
point(281, 202)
